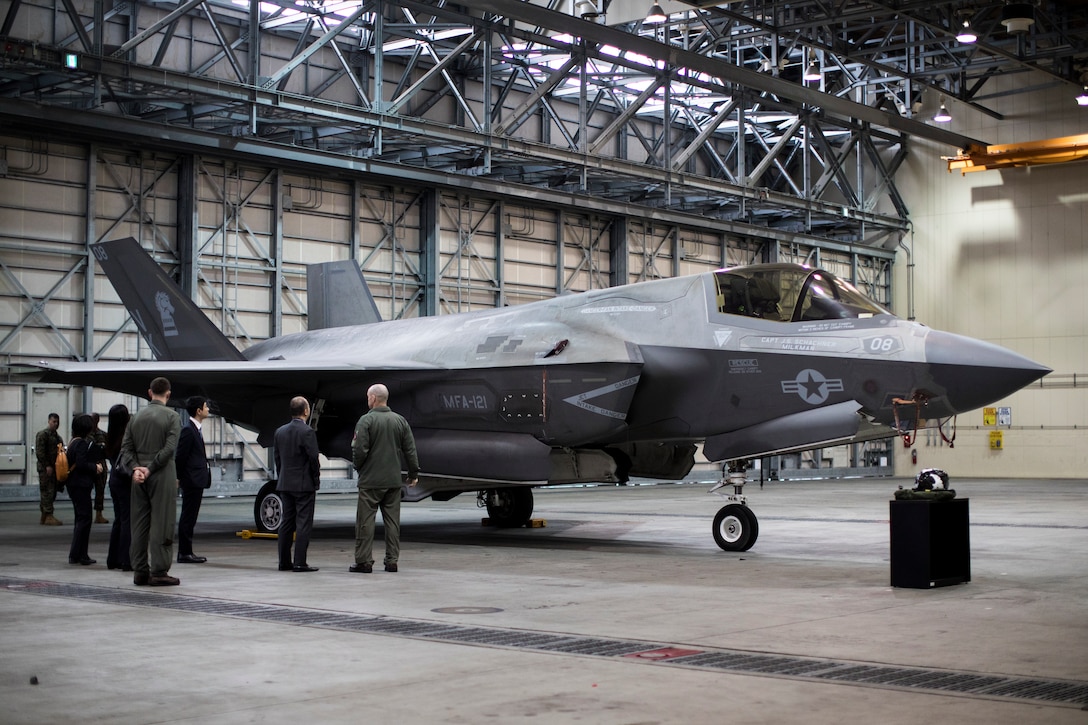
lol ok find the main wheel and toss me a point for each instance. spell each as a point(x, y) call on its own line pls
point(735, 528)
point(510, 507)
point(268, 509)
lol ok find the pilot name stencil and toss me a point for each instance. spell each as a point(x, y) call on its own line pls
point(812, 386)
point(613, 309)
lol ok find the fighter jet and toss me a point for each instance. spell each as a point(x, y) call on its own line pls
point(591, 387)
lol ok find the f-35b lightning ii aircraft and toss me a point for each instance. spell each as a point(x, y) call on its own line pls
point(589, 387)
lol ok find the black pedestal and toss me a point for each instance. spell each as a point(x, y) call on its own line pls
point(931, 545)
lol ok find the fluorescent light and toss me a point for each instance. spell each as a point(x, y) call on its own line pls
point(424, 36)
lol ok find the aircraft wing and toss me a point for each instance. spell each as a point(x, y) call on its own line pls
point(247, 392)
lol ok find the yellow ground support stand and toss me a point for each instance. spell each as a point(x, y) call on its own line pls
point(247, 534)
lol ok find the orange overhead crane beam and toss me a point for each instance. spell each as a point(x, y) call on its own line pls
point(1005, 156)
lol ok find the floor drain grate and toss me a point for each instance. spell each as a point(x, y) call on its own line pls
point(909, 678)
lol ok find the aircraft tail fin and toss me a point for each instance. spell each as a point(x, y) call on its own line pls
point(172, 324)
point(338, 296)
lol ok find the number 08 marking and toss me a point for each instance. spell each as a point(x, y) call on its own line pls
point(883, 344)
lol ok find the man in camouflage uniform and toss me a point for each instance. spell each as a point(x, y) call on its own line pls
point(45, 450)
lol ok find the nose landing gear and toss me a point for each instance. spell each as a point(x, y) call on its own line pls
point(735, 526)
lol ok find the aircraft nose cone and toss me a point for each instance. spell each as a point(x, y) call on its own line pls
point(973, 373)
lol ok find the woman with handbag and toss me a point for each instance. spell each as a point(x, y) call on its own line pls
point(120, 491)
point(86, 459)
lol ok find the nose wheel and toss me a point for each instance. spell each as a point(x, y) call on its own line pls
point(736, 528)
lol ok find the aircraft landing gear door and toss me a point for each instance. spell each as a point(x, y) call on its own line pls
point(736, 528)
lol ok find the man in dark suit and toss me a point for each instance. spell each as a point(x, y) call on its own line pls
point(193, 476)
point(299, 470)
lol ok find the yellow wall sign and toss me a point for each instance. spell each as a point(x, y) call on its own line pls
point(989, 417)
point(997, 440)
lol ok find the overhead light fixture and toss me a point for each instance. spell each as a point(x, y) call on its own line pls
point(656, 15)
point(1018, 17)
point(812, 70)
point(586, 9)
point(942, 115)
point(1082, 99)
point(966, 34)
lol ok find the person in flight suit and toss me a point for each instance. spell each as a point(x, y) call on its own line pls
point(148, 451)
point(381, 438)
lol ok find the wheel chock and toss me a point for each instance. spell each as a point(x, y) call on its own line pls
point(530, 524)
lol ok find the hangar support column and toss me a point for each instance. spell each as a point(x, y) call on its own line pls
point(430, 233)
point(618, 264)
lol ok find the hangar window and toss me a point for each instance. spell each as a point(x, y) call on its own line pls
point(790, 293)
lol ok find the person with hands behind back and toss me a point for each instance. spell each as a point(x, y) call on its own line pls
point(147, 450)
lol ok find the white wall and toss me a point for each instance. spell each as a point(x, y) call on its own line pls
point(1003, 256)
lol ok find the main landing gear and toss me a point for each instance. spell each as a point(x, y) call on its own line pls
point(735, 526)
point(268, 509)
point(507, 507)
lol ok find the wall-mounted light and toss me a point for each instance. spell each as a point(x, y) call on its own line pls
point(656, 15)
point(942, 115)
point(966, 34)
point(1082, 99)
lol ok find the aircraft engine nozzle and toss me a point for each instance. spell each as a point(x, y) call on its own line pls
point(971, 373)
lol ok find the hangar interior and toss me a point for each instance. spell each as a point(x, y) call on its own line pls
point(482, 154)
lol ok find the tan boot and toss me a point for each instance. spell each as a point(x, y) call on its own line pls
point(51, 520)
point(100, 519)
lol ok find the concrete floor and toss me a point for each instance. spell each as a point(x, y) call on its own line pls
point(580, 621)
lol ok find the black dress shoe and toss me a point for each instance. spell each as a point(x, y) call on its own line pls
point(191, 559)
point(286, 567)
point(305, 567)
point(85, 561)
point(391, 566)
point(361, 568)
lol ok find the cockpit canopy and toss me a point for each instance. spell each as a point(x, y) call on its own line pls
point(790, 293)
